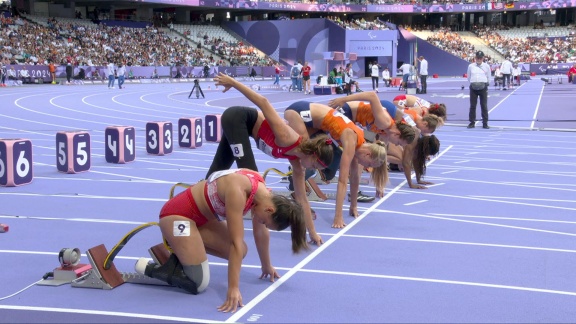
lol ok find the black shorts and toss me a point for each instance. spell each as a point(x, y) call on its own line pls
point(305, 77)
point(236, 118)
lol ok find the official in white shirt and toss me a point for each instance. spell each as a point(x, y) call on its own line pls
point(506, 69)
point(406, 69)
point(111, 74)
point(516, 72)
point(386, 77)
point(375, 74)
point(423, 74)
point(26, 78)
point(479, 78)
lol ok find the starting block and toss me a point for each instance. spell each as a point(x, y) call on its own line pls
point(103, 273)
point(159, 253)
point(313, 192)
point(100, 278)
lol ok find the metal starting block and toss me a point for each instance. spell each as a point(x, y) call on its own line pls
point(100, 278)
point(313, 192)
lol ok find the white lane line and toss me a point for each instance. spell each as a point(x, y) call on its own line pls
point(415, 202)
point(522, 247)
point(451, 282)
point(106, 313)
point(453, 171)
point(537, 107)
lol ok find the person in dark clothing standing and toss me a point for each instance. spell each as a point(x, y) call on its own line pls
point(479, 78)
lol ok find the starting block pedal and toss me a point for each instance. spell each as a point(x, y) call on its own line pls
point(98, 277)
point(159, 253)
point(314, 192)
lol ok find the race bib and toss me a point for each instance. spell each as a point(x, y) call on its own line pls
point(341, 115)
point(181, 228)
point(423, 103)
point(408, 119)
point(237, 150)
point(306, 116)
point(267, 149)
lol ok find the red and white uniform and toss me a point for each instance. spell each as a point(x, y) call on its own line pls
point(409, 101)
point(216, 205)
point(184, 205)
point(266, 143)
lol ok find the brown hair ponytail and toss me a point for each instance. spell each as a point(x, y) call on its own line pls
point(426, 145)
point(438, 110)
point(320, 146)
point(290, 213)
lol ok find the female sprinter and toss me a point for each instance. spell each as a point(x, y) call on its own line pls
point(191, 226)
point(311, 118)
point(415, 155)
point(396, 136)
point(274, 137)
point(362, 113)
point(422, 106)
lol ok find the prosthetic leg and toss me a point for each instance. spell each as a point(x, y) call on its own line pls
point(170, 272)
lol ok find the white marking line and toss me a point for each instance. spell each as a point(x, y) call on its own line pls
point(123, 181)
point(130, 111)
point(83, 196)
point(29, 132)
point(106, 313)
point(451, 282)
point(122, 257)
point(88, 220)
point(415, 202)
point(501, 101)
point(507, 218)
point(112, 174)
point(523, 247)
point(453, 171)
point(251, 304)
point(435, 185)
point(494, 200)
point(508, 159)
point(464, 161)
point(128, 176)
point(480, 223)
point(537, 107)
point(520, 184)
point(527, 198)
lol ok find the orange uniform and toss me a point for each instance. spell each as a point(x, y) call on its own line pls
point(335, 123)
